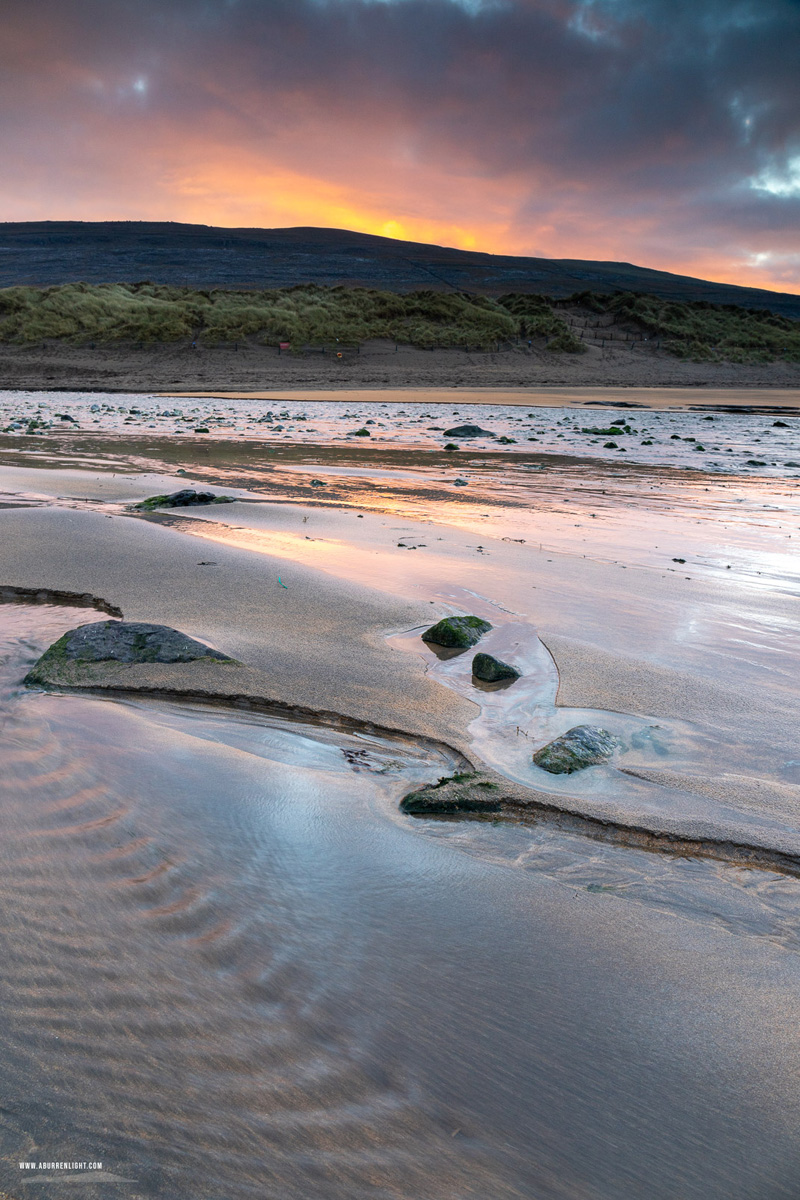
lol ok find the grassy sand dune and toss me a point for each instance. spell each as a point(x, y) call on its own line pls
point(312, 316)
point(308, 315)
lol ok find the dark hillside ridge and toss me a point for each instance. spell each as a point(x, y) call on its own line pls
point(43, 253)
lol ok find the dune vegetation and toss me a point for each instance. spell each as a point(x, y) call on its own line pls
point(699, 330)
point(303, 316)
point(536, 318)
point(310, 316)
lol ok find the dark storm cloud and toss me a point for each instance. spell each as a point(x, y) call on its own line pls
point(641, 108)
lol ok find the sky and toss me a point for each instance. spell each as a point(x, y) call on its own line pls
point(660, 132)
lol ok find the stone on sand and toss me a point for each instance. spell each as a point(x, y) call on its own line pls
point(582, 746)
point(185, 498)
point(130, 642)
point(468, 431)
point(459, 632)
point(461, 793)
point(491, 669)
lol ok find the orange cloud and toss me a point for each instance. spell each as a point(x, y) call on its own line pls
point(512, 128)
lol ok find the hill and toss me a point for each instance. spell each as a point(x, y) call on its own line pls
point(44, 253)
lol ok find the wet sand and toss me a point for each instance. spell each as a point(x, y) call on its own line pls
point(654, 396)
point(320, 646)
point(448, 1008)
point(232, 970)
point(307, 596)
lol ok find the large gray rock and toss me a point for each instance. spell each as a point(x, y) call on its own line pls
point(468, 431)
point(118, 641)
point(491, 669)
point(458, 632)
point(582, 746)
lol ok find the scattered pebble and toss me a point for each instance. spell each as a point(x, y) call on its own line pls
point(649, 437)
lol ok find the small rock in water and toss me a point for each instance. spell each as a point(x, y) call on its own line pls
point(468, 431)
point(492, 670)
point(460, 632)
point(582, 746)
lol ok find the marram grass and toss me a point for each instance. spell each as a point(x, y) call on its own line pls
point(702, 331)
point(303, 316)
point(313, 316)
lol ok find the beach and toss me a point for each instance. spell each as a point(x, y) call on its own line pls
point(252, 367)
point(400, 601)
point(526, 1005)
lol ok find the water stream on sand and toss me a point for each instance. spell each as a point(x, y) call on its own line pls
point(233, 969)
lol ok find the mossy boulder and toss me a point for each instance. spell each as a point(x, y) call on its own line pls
point(582, 746)
point(492, 670)
point(128, 642)
point(465, 792)
point(457, 632)
point(185, 498)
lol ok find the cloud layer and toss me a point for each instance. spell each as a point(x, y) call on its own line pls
point(649, 131)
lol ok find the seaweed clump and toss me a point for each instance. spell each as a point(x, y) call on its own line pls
point(186, 498)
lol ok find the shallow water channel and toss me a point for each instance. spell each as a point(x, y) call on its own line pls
point(233, 969)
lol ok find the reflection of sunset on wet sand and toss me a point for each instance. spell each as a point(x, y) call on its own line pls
point(260, 850)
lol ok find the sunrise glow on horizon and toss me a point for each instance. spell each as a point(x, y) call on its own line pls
point(587, 129)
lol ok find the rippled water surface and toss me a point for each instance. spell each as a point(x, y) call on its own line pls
point(232, 969)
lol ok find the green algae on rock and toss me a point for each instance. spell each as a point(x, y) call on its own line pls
point(458, 632)
point(129, 642)
point(491, 669)
point(462, 793)
point(185, 498)
point(582, 746)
